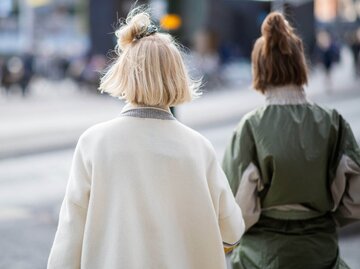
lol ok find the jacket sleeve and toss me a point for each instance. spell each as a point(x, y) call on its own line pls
point(345, 188)
point(229, 214)
point(238, 154)
point(67, 247)
point(240, 166)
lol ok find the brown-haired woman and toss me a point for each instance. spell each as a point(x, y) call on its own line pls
point(293, 165)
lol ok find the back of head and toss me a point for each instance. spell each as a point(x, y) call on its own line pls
point(278, 56)
point(149, 69)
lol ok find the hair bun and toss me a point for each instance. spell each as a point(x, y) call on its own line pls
point(136, 24)
point(277, 32)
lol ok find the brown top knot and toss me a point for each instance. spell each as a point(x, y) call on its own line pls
point(278, 57)
point(277, 33)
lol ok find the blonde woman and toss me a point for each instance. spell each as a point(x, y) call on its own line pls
point(145, 191)
point(293, 165)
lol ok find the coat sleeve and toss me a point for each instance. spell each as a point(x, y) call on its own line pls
point(229, 214)
point(345, 188)
point(67, 247)
point(240, 166)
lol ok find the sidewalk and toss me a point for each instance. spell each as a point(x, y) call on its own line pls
point(52, 117)
point(57, 113)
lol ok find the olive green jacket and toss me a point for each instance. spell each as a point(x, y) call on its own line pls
point(292, 159)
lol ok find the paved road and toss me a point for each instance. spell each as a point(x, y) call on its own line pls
point(31, 189)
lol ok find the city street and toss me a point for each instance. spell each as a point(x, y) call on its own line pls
point(32, 186)
point(55, 54)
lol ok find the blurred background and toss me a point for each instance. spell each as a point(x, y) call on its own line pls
point(51, 56)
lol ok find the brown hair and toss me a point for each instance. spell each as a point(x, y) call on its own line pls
point(278, 55)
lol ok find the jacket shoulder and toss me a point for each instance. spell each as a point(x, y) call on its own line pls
point(250, 118)
point(196, 137)
point(98, 130)
point(326, 110)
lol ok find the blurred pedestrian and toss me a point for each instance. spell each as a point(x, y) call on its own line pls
point(27, 73)
point(327, 52)
point(2, 69)
point(354, 43)
point(145, 191)
point(76, 70)
point(293, 165)
point(12, 72)
point(85, 71)
point(95, 65)
point(206, 58)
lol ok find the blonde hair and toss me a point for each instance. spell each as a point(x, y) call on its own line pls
point(278, 56)
point(149, 69)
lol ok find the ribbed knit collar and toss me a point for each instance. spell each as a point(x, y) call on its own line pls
point(285, 95)
point(147, 112)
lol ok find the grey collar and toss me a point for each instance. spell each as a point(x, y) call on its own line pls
point(147, 112)
point(286, 95)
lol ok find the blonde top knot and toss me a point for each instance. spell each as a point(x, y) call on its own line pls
point(136, 24)
point(278, 33)
point(149, 69)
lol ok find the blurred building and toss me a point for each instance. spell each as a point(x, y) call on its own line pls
point(104, 18)
point(237, 23)
point(337, 10)
point(340, 17)
point(71, 27)
point(43, 26)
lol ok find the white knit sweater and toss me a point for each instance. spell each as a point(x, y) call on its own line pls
point(145, 192)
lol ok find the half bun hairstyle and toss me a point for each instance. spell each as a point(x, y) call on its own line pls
point(148, 68)
point(278, 56)
point(135, 27)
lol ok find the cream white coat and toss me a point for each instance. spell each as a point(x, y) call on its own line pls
point(145, 192)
